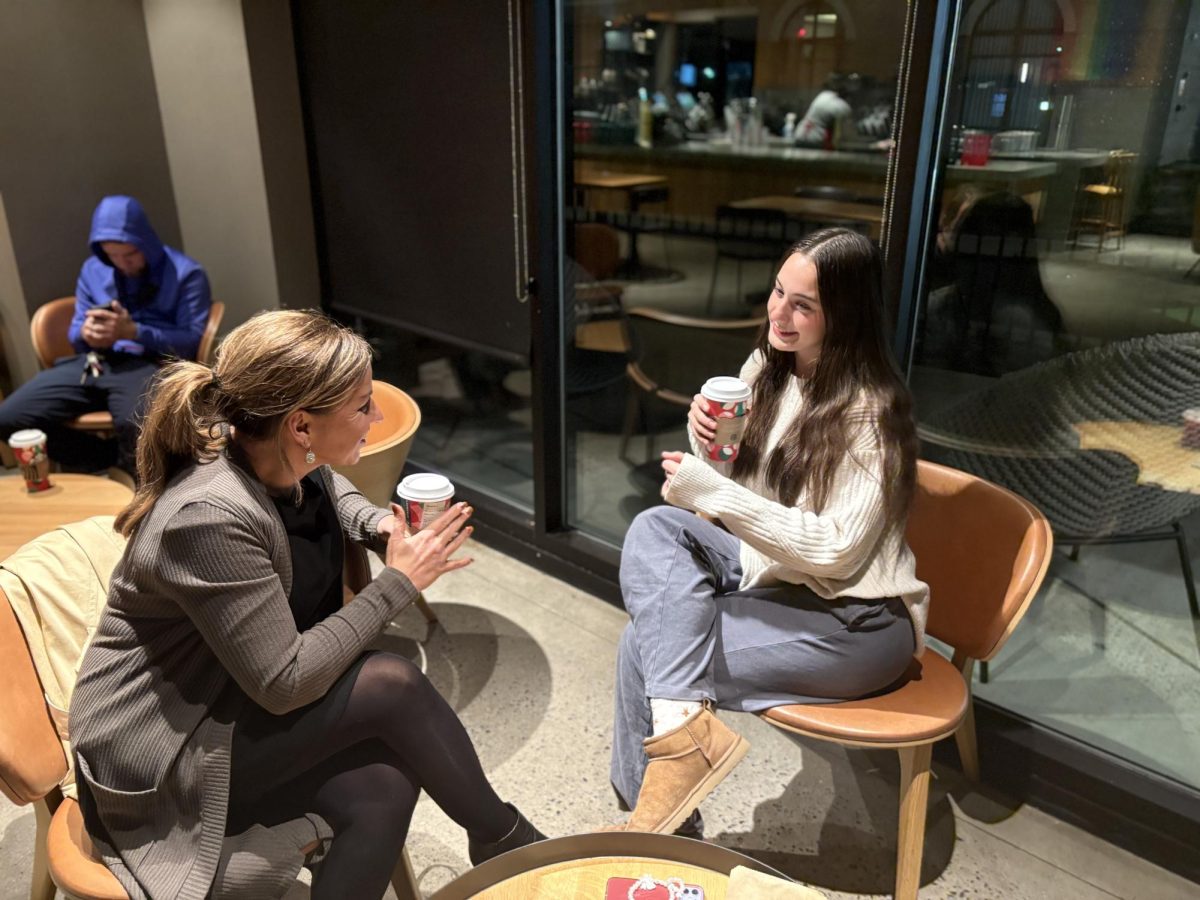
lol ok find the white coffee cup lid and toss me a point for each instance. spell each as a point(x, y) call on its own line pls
point(425, 486)
point(29, 437)
point(726, 389)
point(1190, 415)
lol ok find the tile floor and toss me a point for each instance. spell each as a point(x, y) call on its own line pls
point(528, 661)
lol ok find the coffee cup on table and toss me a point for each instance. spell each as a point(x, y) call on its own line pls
point(728, 401)
point(424, 497)
point(29, 447)
point(1191, 429)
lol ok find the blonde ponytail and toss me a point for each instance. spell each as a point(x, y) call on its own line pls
point(181, 427)
point(269, 366)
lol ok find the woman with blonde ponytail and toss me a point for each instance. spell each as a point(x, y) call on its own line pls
point(229, 724)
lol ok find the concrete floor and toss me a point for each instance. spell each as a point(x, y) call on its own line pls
point(528, 663)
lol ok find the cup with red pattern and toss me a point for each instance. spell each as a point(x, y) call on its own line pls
point(29, 447)
point(424, 497)
point(728, 401)
point(1191, 429)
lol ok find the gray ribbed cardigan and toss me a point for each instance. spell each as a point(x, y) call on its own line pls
point(199, 601)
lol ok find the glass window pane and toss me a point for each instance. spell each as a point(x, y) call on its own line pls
point(699, 154)
point(1057, 351)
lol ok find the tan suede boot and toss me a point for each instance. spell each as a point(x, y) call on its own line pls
point(686, 763)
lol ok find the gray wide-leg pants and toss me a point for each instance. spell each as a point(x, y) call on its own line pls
point(695, 636)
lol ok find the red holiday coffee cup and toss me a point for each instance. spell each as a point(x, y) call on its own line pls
point(728, 401)
point(1191, 429)
point(424, 497)
point(29, 447)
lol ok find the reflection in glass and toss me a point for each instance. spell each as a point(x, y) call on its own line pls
point(705, 141)
point(476, 421)
point(1057, 354)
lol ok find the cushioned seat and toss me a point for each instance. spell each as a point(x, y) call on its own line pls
point(73, 862)
point(929, 706)
point(983, 551)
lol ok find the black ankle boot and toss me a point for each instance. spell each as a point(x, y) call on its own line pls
point(521, 834)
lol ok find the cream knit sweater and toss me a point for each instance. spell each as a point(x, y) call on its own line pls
point(843, 551)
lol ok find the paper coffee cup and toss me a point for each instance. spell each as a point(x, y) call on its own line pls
point(728, 400)
point(424, 497)
point(29, 447)
point(1191, 429)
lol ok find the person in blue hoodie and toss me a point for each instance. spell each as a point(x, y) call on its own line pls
point(138, 303)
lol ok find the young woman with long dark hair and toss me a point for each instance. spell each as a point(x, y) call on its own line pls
point(794, 584)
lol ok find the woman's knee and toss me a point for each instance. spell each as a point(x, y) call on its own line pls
point(652, 532)
point(657, 521)
point(386, 681)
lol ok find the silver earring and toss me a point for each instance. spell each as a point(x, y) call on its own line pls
point(310, 457)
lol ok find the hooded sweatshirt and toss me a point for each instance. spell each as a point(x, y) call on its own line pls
point(169, 300)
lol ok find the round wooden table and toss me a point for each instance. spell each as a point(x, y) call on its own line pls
point(70, 499)
point(580, 866)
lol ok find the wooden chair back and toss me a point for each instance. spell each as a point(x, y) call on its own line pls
point(48, 330)
point(52, 320)
point(981, 545)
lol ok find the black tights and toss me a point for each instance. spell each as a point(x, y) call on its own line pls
point(358, 758)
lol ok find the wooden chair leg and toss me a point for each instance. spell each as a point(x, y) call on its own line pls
point(910, 837)
point(41, 886)
point(404, 880)
point(426, 610)
point(964, 737)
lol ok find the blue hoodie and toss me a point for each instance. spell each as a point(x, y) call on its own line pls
point(169, 300)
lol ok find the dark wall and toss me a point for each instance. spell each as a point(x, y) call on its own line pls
point(407, 106)
point(78, 119)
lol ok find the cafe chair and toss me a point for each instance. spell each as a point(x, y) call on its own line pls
point(591, 267)
point(983, 551)
point(48, 331)
point(1024, 432)
point(382, 459)
point(34, 766)
point(672, 357)
point(747, 235)
point(1103, 204)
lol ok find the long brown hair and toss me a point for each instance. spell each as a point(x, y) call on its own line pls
point(855, 363)
point(267, 368)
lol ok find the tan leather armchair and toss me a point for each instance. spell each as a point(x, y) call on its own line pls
point(983, 551)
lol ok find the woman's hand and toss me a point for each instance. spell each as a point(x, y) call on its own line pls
point(671, 461)
point(425, 556)
point(388, 524)
point(704, 426)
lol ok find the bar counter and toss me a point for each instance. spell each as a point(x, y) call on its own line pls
point(704, 175)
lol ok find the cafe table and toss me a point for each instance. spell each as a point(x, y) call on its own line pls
point(579, 867)
point(636, 187)
point(71, 498)
point(819, 209)
point(1156, 450)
